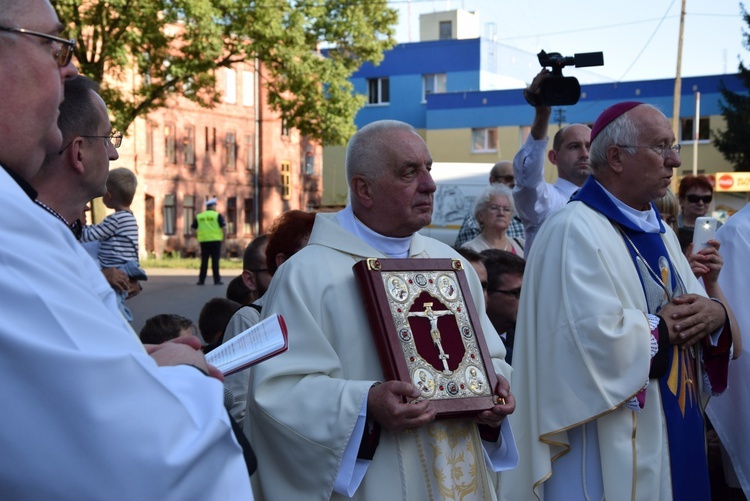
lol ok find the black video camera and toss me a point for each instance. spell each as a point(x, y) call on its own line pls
point(558, 90)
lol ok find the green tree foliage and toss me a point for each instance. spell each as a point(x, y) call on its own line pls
point(734, 142)
point(173, 47)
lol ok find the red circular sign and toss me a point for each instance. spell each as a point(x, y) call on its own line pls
point(726, 181)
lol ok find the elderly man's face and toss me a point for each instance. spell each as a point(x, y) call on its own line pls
point(32, 87)
point(502, 172)
point(647, 174)
point(402, 194)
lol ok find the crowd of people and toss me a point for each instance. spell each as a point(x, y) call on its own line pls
point(606, 339)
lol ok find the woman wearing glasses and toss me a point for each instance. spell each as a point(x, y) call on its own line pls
point(695, 194)
point(494, 210)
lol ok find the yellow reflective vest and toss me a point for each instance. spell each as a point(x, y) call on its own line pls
point(208, 227)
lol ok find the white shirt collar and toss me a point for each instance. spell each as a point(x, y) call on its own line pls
point(394, 247)
point(566, 187)
point(646, 220)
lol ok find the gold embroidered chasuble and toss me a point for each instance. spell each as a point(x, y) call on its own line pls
point(303, 404)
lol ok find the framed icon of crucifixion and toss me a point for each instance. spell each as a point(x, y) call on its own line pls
point(427, 331)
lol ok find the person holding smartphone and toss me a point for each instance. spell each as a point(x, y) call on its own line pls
point(695, 194)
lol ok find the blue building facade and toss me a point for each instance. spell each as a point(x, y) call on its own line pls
point(448, 90)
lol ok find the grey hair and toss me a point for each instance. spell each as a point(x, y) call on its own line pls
point(366, 152)
point(622, 130)
point(493, 190)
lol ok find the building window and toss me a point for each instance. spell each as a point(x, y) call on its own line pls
point(286, 180)
point(284, 127)
point(704, 134)
point(231, 151)
point(433, 84)
point(149, 142)
point(249, 222)
point(310, 161)
point(484, 140)
point(207, 138)
point(169, 144)
point(213, 139)
point(188, 215)
point(169, 214)
point(189, 143)
point(248, 88)
point(446, 30)
point(232, 216)
point(231, 86)
point(378, 91)
point(249, 152)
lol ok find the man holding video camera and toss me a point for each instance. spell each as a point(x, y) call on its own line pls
point(535, 199)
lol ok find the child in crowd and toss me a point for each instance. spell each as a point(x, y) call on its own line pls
point(118, 233)
point(166, 326)
point(213, 319)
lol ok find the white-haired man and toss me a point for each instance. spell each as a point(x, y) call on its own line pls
point(318, 409)
point(615, 335)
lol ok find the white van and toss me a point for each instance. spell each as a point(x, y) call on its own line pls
point(458, 185)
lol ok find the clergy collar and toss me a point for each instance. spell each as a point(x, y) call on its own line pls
point(394, 247)
point(593, 194)
point(24, 185)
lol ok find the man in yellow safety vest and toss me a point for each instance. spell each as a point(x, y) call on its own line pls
point(210, 229)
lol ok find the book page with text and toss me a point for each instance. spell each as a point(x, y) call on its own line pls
point(262, 340)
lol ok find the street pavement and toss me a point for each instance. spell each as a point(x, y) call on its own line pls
point(174, 291)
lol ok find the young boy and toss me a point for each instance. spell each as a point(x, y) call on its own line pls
point(118, 233)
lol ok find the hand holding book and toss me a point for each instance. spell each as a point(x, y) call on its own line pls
point(260, 342)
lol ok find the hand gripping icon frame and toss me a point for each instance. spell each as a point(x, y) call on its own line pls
point(427, 331)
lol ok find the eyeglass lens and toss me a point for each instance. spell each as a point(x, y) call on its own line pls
point(64, 55)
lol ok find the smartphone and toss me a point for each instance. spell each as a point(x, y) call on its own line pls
point(705, 229)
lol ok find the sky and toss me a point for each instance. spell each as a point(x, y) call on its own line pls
point(639, 38)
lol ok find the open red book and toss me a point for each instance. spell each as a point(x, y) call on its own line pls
point(262, 341)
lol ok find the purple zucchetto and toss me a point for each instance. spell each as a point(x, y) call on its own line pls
point(610, 114)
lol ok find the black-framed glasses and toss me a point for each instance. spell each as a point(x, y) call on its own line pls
point(662, 150)
point(694, 199)
point(115, 139)
point(63, 55)
point(516, 293)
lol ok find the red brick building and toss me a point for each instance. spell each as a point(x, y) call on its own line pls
point(239, 152)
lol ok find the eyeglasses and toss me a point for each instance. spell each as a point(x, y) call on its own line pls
point(497, 208)
point(115, 139)
point(509, 179)
point(662, 150)
point(694, 199)
point(63, 55)
point(516, 293)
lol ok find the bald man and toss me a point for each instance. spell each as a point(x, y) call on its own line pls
point(536, 199)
